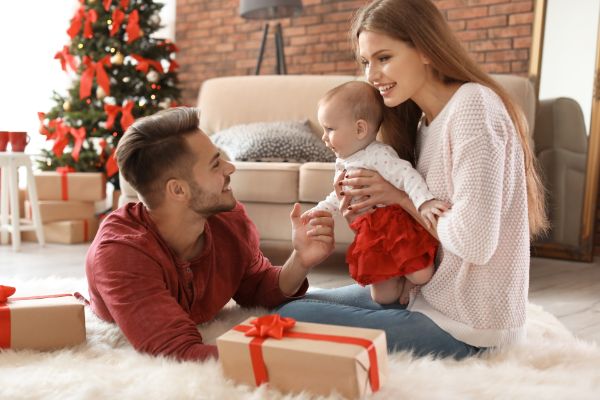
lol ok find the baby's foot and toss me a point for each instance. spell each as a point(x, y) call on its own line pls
point(405, 293)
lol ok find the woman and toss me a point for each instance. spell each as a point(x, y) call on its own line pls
point(471, 145)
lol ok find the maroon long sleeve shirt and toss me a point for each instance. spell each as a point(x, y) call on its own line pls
point(136, 281)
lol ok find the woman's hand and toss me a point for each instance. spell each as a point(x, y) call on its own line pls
point(372, 189)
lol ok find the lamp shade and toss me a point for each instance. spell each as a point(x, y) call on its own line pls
point(269, 9)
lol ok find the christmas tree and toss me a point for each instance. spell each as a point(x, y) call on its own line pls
point(120, 73)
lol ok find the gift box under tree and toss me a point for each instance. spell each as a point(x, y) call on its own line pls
point(297, 356)
point(44, 322)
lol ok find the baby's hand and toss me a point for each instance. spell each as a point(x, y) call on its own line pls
point(431, 210)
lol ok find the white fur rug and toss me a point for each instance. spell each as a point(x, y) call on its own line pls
point(552, 364)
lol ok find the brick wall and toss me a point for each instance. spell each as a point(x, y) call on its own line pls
point(214, 41)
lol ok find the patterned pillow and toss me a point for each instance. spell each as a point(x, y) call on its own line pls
point(287, 141)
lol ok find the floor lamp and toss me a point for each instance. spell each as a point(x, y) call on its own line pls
point(267, 10)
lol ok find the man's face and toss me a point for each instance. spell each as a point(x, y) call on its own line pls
point(209, 177)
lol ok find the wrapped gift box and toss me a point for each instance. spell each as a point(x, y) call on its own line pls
point(82, 186)
point(66, 232)
point(317, 358)
point(41, 323)
point(56, 210)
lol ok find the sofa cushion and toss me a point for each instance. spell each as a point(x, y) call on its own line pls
point(315, 181)
point(265, 182)
point(280, 141)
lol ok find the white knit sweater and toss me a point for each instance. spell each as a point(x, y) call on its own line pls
point(471, 156)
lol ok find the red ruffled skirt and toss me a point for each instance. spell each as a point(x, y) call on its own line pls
point(388, 242)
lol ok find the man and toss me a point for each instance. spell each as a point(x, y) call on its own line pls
point(160, 267)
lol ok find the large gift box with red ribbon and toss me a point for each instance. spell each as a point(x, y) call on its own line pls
point(40, 322)
point(82, 186)
point(297, 356)
point(66, 232)
point(56, 210)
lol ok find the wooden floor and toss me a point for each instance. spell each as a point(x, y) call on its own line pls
point(569, 290)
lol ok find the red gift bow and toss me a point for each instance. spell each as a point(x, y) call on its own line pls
point(78, 19)
point(133, 26)
point(145, 63)
point(97, 69)
point(66, 58)
point(106, 4)
point(64, 180)
point(277, 327)
point(126, 117)
point(5, 313)
point(6, 292)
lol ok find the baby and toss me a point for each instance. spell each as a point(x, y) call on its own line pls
point(391, 251)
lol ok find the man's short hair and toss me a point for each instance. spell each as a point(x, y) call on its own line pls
point(361, 99)
point(153, 150)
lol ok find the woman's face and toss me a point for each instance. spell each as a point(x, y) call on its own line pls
point(395, 68)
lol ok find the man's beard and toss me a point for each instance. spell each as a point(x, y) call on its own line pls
point(205, 204)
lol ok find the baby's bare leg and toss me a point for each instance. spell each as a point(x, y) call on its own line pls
point(388, 291)
point(405, 292)
point(421, 276)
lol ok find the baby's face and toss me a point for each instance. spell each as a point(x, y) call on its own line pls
point(339, 129)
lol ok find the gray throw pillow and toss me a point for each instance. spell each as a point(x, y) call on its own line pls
point(287, 141)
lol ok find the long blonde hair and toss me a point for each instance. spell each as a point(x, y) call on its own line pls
point(420, 24)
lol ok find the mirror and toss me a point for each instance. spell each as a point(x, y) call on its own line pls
point(564, 65)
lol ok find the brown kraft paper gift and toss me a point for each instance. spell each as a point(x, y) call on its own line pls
point(296, 364)
point(55, 210)
point(82, 186)
point(42, 323)
point(66, 232)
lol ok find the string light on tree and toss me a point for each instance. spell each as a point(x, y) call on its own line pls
point(152, 76)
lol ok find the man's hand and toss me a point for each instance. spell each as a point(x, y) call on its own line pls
point(312, 238)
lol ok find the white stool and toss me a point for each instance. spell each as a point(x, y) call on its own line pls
point(9, 165)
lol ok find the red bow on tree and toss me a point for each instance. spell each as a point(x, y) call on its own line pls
point(60, 138)
point(78, 19)
point(133, 26)
point(6, 292)
point(79, 135)
point(272, 325)
point(97, 69)
point(145, 63)
point(117, 19)
point(66, 58)
point(126, 117)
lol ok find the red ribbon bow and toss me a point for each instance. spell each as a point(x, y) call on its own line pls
point(59, 136)
point(97, 69)
point(133, 26)
point(145, 63)
point(6, 292)
point(117, 19)
point(66, 58)
point(272, 325)
point(79, 135)
point(126, 117)
point(80, 18)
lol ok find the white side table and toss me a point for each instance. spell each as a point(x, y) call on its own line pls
point(9, 165)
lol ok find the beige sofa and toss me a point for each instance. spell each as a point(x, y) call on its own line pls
point(269, 189)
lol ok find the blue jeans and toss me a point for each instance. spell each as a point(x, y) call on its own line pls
point(352, 306)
